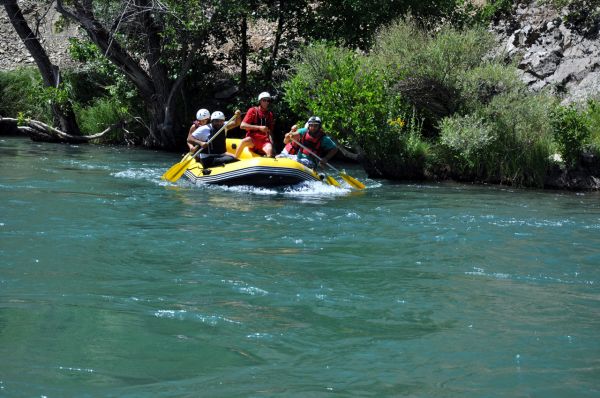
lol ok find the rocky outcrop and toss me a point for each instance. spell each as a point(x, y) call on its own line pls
point(553, 49)
point(44, 20)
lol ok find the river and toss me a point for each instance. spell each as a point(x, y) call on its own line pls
point(114, 283)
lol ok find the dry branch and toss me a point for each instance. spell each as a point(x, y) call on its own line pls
point(39, 131)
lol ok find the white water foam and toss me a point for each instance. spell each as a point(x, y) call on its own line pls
point(304, 190)
point(243, 287)
point(530, 278)
point(146, 174)
point(181, 315)
point(85, 165)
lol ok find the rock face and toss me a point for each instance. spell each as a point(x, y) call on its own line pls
point(553, 51)
point(13, 53)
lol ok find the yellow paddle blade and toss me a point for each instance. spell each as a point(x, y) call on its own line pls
point(352, 181)
point(178, 169)
point(332, 181)
point(175, 168)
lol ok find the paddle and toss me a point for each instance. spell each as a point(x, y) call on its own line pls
point(332, 181)
point(349, 179)
point(177, 170)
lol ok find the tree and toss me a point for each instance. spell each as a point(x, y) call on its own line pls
point(353, 23)
point(153, 44)
point(60, 104)
point(232, 19)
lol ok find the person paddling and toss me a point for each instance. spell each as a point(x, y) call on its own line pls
point(202, 119)
point(259, 124)
point(315, 139)
point(290, 150)
point(215, 153)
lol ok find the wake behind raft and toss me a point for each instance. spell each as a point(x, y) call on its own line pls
point(252, 170)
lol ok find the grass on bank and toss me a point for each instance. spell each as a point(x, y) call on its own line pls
point(24, 96)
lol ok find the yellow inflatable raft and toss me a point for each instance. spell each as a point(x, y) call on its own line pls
point(251, 169)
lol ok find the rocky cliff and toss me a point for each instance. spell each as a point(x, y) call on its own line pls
point(555, 49)
point(13, 53)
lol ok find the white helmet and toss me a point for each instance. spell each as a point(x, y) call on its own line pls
point(314, 120)
point(202, 114)
point(264, 94)
point(217, 115)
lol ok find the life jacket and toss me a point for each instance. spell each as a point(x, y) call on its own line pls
point(219, 145)
point(312, 143)
point(261, 121)
point(291, 148)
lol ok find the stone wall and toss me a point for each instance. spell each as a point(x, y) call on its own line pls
point(550, 53)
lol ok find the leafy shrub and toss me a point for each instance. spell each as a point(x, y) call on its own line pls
point(506, 141)
point(22, 92)
point(99, 115)
point(593, 115)
point(479, 85)
point(429, 69)
point(451, 53)
point(491, 128)
point(352, 99)
point(571, 132)
point(403, 49)
point(334, 84)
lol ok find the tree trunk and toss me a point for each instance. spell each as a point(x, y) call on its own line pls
point(275, 49)
point(244, 55)
point(153, 83)
point(63, 113)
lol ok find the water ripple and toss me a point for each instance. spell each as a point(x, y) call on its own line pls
point(183, 315)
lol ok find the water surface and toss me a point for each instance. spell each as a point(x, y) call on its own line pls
point(115, 283)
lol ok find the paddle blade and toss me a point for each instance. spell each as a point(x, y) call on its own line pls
point(352, 181)
point(174, 169)
point(332, 181)
point(177, 170)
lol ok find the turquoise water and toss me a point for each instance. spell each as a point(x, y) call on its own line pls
point(114, 283)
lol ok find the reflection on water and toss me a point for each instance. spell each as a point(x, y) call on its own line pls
point(116, 283)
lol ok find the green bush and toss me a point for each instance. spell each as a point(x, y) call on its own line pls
point(572, 132)
point(480, 120)
point(593, 116)
point(351, 97)
point(479, 85)
point(102, 113)
point(403, 49)
point(468, 138)
point(23, 93)
point(507, 141)
point(334, 84)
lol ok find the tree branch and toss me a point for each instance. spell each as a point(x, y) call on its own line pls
point(41, 131)
point(114, 51)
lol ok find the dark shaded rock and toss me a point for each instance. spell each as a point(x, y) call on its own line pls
point(586, 176)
